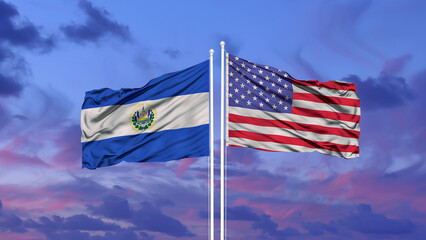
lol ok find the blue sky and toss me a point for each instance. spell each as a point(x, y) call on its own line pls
point(51, 52)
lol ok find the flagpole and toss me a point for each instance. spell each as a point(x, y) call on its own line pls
point(225, 153)
point(226, 104)
point(211, 150)
point(222, 146)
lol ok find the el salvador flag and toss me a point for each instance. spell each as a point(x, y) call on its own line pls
point(165, 120)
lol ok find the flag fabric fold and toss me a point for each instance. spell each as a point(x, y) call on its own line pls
point(270, 110)
point(165, 120)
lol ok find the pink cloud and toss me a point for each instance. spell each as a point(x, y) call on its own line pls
point(22, 236)
point(279, 212)
point(183, 166)
point(396, 65)
point(10, 156)
point(257, 182)
point(385, 192)
point(37, 200)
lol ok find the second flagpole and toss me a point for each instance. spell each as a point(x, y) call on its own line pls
point(222, 145)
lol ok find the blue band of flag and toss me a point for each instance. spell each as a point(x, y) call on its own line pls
point(188, 81)
point(148, 147)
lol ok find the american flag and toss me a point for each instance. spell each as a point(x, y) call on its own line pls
point(270, 110)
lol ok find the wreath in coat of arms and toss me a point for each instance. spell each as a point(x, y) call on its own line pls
point(143, 117)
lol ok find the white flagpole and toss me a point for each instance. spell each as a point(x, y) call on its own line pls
point(211, 150)
point(222, 146)
point(226, 104)
point(225, 154)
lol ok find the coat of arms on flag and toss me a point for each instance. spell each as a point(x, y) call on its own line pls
point(143, 117)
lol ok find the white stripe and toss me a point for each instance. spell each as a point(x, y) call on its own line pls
point(294, 133)
point(294, 118)
point(326, 107)
point(285, 147)
point(325, 91)
point(172, 113)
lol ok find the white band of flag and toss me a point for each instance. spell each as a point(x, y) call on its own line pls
point(173, 113)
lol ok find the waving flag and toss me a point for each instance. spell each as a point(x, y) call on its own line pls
point(167, 119)
point(270, 110)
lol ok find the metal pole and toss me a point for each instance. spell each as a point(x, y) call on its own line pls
point(211, 150)
point(222, 146)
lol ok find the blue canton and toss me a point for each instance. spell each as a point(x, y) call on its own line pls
point(259, 87)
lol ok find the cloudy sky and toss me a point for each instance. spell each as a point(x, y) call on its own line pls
point(52, 51)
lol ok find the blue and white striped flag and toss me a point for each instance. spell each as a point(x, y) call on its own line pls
point(167, 119)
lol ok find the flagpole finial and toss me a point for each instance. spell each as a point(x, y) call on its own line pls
point(222, 43)
point(211, 51)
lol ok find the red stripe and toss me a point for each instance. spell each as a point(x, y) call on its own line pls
point(325, 114)
point(295, 126)
point(294, 141)
point(326, 99)
point(329, 84)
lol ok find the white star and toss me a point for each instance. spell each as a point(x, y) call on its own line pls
point(237, 101)
point(273, 74)
point(267, 78)
point(285, 75)
point(286, 86)
point(280, 102)
point(230, 84)
point(273, 95)
point(248, 102)
point(231, 74)
point(273, 84)
point(279, 71)
point(266, 67)
point(285, 108)
point(237, 58)
point(254, 76)
point(261, 82)
point(279, 79)
point(261, 104)
point(248, 92)
point(255, 98)
point(254, 66)
point(267, 89)
point(230, 63)
point(236, 79)
point(260, 71)
point(286, 98)
point(254, 87)
point(248, 81)
point(279, 90)
point(248, 70)
point(238, 69)
point(243, 97)
point(230, 94)
point(243, 65)
point(236, 90)
point(267, 99)
point(242, 85)
point(274, 107)
point(261, 93)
